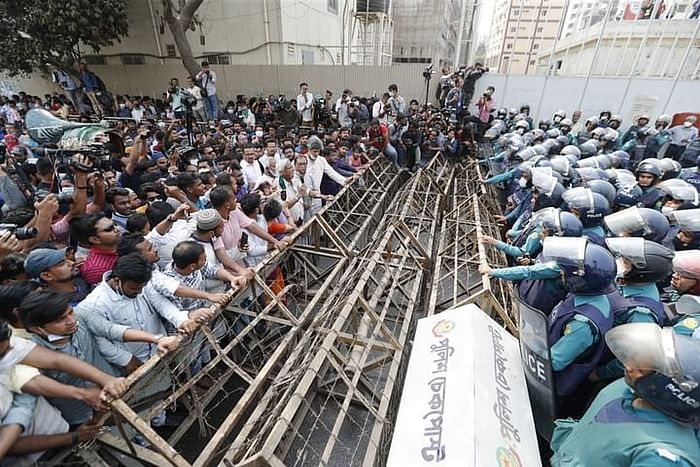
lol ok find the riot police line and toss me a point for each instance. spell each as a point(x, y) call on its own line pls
point(602, 234)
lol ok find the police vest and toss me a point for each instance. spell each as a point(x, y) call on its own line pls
point(542, 294)
point(649, 197)
point(568, 379)
point(620, 306)
point(620, 435)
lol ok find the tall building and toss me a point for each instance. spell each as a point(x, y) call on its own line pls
point(664, 47)
point(427, 31)
point(520, 29)
point(582, 14)
point(262, 32)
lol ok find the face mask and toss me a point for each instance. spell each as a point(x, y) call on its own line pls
point(667, 209)
point(121, 106)
point(687, 124)
point(69, 190)
point(259, 133)
point(557, 119)
point(522, 182)
point(230, 111)
point(54, 337)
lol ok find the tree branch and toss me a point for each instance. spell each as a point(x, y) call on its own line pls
point(188, 12)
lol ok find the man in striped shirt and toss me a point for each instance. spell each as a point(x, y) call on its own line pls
point(103, 236)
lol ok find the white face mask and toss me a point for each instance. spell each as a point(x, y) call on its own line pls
point(54, 337)
point(667, 209)
point(258, 133)
point(522, 182)
point(687, 124)
point(230, 111)
point(121, 106)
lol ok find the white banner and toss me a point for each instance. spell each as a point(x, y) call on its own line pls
point(464, 401)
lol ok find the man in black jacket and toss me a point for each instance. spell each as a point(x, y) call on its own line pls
point(471, 74)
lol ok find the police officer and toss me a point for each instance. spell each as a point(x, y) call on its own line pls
point(578, 324)
point(648, 174)
point(638, 222)
point(685, 229)
point(585, 133)
point(692, 175)
point(627, 197)
point(640, 265)
point(677, 195)
point(590, 208)
point(686, 284)
point(641, 122)
point(648, 418)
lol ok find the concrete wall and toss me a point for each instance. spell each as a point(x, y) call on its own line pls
point(620, 96)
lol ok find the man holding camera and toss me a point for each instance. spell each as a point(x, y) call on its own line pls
point(471, 74)
point(381, 109)
point(198, 110)
point(175, 97)
point(207, 84)
point(342, 108)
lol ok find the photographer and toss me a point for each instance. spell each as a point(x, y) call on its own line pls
point(305, 103)
point(342, 108)
point(396, 102)
point(206, 79)
point(381, 108)
point(175, 97)
point(198, 110)
point(378, 137)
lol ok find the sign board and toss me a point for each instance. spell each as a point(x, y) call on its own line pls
point(465, 401)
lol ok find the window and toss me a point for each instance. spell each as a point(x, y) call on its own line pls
point(512, 29)
point(333, 6)
point(95, 60)
point(171, 50)
point(307, 57)
point(532, 62)
point(535, 46)
point(509, 46)
point(540, 29)
point(218, 59)
point(291, 51)
point(133, 60)
point(543, 12)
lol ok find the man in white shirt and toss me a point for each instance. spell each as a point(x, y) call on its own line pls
point(316, 168)
point(341, 107)
point(207, 80)
point(397, 103)
point(380, 109)
point(292, 192)
point(305, 104)
point(198, 110)
point(680, 136)
point(252, 168)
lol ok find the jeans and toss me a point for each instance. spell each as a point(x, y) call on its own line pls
point(212, 105)
point(390, 152)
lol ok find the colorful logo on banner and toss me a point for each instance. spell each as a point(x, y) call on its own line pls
point(507, 458)
point(443, 327)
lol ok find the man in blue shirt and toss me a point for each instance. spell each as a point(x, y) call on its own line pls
point(91, 85)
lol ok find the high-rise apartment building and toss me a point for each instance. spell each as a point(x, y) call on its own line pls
point(520, 29)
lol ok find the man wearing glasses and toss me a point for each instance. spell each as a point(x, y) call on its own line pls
point(102, 235)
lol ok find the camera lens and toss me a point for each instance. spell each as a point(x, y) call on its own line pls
point(26, 233)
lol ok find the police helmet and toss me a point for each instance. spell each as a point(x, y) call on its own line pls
point(649, 166)
point(540, 150)
point(571, 149)
point(567, 122)
point(615, 118)
point(544, 125)
point(526, 154)
point(628, 196)
point(598, 133)
point(620, 159)
point(642, 117)
point(650, 261)
point(562, 140)
point(593, 121)
point(522, 123)
point(604, 188)
point(611, 135)
point(589, 148)
point(621, 177)
point(512, 112)
point(592, 207)
point(671, 364)
point(591, 173)
point(502, 113)
point(559, 114)
point(557, 222)
point(638, 222)
point(524, 108)
point(687, 221)
point(680, 191)
point(588, 268)
point(669, 168)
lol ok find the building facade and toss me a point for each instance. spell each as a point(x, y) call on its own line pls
point(427, 31)
point(520, 30)
point(262, 32)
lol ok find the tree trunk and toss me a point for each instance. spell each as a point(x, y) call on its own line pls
point(178, 27)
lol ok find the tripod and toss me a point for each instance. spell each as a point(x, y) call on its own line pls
point(427, 75)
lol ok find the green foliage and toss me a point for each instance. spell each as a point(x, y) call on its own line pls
point(34, 33)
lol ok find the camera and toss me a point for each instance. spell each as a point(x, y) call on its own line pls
point(428, 72)
point(63, 197)
point(22, 233)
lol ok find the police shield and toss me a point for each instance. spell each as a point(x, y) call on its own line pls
point(534, 351)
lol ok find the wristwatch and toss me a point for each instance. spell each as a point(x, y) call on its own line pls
point(158, 337)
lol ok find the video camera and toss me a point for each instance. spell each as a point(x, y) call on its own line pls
point(428, 72)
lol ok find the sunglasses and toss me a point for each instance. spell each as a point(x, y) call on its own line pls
point(111, 228)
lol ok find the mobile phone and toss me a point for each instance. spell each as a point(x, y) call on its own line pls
point(243, 244)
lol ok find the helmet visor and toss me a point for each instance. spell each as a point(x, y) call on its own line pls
point(626, 222)
point(544, 182)
point(579, 197)
point(641, 346)
point(630, 248)
point(687, 219)
point(567, 250)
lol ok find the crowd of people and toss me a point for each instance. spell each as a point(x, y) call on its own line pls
point(110, 251)
point(601, 228)
point(200, 190)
